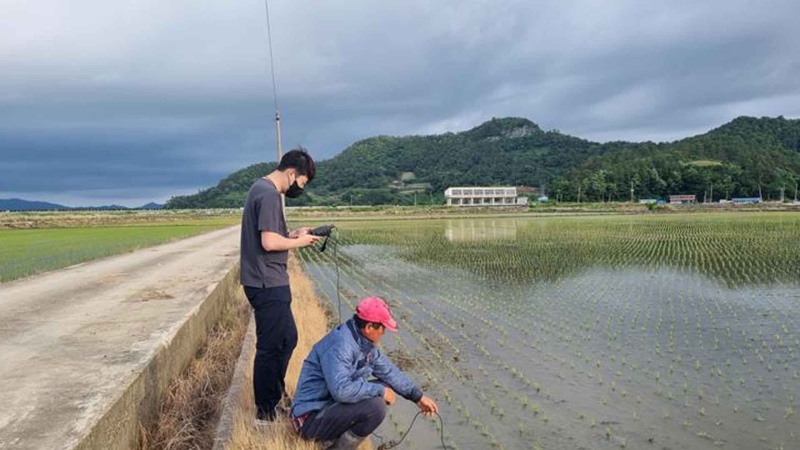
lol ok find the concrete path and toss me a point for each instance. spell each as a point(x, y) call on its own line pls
point(71, 340)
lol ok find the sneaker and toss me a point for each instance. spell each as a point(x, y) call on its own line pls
point(270, 421)
point(263, 423)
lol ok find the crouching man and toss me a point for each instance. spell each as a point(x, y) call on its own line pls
point(335, 402)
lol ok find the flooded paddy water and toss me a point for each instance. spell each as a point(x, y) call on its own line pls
point(665, 332)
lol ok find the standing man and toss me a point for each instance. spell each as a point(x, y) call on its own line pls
point(264, 252)
point(336, 401)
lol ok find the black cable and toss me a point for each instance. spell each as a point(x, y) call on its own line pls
point(338, 295)
point(392, 444)
point(327, 231)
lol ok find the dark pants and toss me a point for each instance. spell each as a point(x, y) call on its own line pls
point(276, 338)
point(329, 423)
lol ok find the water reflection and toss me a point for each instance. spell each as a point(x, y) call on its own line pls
point(480, 230)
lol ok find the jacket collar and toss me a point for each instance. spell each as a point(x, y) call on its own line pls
point(365, 344)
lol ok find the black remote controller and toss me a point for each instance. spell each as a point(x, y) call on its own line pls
point(323, 231)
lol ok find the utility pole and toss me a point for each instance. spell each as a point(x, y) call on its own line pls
point(795, 191)
point(579, 192)
point(631, 191)
point(280, 153)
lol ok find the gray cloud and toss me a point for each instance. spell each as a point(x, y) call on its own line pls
point(128, 102)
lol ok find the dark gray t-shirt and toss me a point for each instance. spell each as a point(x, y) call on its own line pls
point(263, 212)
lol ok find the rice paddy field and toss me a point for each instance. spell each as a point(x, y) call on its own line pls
point(32, 243)
point(648, 331)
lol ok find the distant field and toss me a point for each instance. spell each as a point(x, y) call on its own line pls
point(78, 219)
point(38, 242)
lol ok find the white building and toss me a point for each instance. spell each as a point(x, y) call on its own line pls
point(481, 196)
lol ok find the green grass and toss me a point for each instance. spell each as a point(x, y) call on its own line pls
point(27, 252)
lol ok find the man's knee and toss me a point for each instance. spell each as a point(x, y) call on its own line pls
point(377, 407)
point(372, 416)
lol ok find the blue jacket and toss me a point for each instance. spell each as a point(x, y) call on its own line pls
point(337, 368)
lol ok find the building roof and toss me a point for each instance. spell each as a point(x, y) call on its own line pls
point(482, 187)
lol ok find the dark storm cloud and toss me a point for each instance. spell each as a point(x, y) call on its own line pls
point(132, 101)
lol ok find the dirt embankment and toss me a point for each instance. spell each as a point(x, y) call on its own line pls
point(313, 322)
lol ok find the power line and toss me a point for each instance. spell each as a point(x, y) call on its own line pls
point(271, 58)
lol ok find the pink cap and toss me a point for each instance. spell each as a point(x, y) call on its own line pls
point(374, 309)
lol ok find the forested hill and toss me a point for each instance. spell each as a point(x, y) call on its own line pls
point(734, 159)
point(746, 157)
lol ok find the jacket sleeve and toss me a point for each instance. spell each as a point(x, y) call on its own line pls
point(337, 365)
point(395, 378)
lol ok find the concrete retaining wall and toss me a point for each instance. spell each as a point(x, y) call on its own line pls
point(138, 405)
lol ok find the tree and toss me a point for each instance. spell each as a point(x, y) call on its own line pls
point(726, 185)
point(559, 186)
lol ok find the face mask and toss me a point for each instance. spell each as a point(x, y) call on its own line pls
point(294, 190)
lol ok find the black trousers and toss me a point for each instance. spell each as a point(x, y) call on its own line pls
point(329, 423)
point(276, 338)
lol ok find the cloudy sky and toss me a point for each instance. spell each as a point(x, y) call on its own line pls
point(134, 101)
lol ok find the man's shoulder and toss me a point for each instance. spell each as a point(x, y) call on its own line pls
point(261, 191)
point(339, 338)
point(263, 186)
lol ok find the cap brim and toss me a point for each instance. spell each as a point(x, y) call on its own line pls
point(390, 325)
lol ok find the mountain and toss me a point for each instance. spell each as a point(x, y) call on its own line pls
point(739, 158)
point(18, 204)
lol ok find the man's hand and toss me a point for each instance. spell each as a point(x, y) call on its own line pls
point(389, 396)
point(307, 239)
point(427, 406)
point(294, 234)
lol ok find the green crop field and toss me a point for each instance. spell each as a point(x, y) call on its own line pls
point(69, 238)
point(647, 331)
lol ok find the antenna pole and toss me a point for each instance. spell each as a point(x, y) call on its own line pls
point(279, 142)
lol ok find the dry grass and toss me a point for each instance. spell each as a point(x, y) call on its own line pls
point(312, 324)
point(192, 404)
